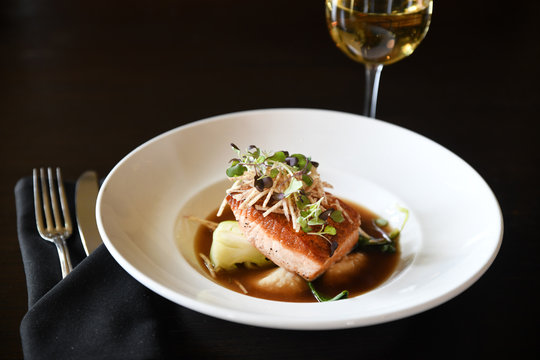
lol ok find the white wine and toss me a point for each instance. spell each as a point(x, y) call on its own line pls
point(379, 37)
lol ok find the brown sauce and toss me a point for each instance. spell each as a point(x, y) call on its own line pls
point(376, 267)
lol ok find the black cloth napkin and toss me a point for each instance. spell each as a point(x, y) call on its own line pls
point(100, 312)
point(97, 311)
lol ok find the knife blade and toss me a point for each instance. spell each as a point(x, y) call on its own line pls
point(86, 192)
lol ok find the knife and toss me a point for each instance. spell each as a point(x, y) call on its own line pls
point(86, 192)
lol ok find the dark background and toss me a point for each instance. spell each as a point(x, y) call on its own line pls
point(84, 82)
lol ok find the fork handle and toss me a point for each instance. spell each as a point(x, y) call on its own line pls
point(63, 255)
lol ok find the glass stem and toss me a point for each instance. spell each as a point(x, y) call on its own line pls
point(373, 74)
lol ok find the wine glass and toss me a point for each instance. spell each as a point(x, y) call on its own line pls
point(377, 33)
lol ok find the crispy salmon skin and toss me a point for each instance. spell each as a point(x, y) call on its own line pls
point(307, 255)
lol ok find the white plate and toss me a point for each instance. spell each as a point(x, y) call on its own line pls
point(454, 232)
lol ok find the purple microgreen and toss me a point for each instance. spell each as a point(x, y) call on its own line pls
point(278, 196)
point(330, 231)
point(301, 160)
point(325, 214)
point(333, 247)
point(268, 182)
point(236, 149)
point(262, 183)
point(291, 161)
point(258, 184)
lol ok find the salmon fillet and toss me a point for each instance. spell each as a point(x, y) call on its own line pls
point(298, 252)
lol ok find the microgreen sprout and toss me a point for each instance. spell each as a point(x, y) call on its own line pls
point(263, 182)
point(291, 161)
point(270, 165)
point(310, 216)
point(337, 216)
point(296, 177)
point(307, 180)
point(294, 186)
point(386, 241)
point(322, 298)
point(236, 169)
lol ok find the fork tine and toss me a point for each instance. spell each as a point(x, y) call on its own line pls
point(56, 232)
point(63, 202)
point(54, 200)
point(46, 201)
point(37, 203)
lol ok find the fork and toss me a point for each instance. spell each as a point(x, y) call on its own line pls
point(55, 227)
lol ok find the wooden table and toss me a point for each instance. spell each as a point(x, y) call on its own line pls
point(102, 77)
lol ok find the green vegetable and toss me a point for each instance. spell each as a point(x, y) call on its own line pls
point(236, 170)
point(395, 232)
point(301, 160)
point(230, 247)
point(337, 216)
point(278, 156)
point(386, 242)
point(330, 230)
point(307, 180)
point(302, 202)
point(294, 186)
point(296, 168)
point(274, 173)
point(406, 212)
point(322, 298)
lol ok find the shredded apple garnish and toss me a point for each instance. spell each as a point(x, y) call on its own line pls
point(285, 184)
